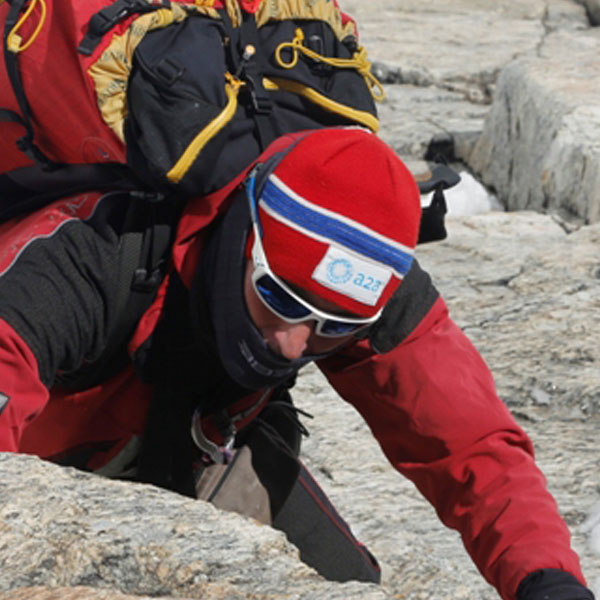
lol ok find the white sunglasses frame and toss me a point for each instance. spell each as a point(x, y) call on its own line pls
point(262, 267)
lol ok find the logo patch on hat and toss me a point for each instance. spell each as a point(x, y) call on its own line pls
point(351, 276)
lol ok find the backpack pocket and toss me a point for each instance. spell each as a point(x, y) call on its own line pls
point(180, 96)
point(306, 58)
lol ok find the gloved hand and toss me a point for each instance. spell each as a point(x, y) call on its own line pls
point(552, 584)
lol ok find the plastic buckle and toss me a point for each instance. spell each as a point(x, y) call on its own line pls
point(262, 106)
point(169, 71)
point(102, 22)
point(152, 197)
point(144, 282)
point(260, 102)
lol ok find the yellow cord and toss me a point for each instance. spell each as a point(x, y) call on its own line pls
point(186, 160)
point(233, 81)
point(14, 40)
point(358, 116)
point(359, 61)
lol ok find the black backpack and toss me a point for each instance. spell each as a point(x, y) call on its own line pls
point(195, 94)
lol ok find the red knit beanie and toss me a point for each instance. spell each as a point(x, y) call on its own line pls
point(340, 218)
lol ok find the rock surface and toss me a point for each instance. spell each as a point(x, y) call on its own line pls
point(459, 45)
point(64, 528)
point(441, 61)
point(70, 593)
point(593, 8)
point(540, 147)
point(526, 291)
point(525, 287)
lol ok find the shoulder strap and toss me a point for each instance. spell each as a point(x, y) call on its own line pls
point(104, 20)
point(142, 265)
point(26, 189)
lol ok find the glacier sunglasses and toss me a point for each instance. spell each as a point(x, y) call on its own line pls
point(281, 300)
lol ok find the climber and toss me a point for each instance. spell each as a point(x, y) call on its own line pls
point(307, 255)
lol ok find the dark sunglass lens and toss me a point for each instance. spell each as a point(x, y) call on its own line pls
point(339, 327)
point(279, 300)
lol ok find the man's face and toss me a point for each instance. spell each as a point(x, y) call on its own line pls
point(291, 340)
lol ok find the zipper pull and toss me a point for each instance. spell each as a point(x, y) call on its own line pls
point(249, 52)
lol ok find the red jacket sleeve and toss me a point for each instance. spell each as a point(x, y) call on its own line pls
point(22, 394)
point(432, 405)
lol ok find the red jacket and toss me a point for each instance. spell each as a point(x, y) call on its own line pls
point(430, 402)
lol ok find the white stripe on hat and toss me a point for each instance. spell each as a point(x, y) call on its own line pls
point(342, 218)
point(283, 188)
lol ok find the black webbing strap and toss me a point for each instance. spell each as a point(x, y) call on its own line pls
point(29, 188)
point(143, 255)
point(149, 272)
point(144, 246)
point(266, 129)
point(25, 144)
point(248, 66)
point(326, 542)
point(167, 447)
point(104, 20)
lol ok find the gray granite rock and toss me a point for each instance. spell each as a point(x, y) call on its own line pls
point(413, 117)
point(73, 593)
point(60, 527)
point(459, 45)
point(593, 9)
point(440, 62)
point(540, 148)
point(526, 292)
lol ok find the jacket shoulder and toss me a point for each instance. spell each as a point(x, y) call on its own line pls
point(406, 309)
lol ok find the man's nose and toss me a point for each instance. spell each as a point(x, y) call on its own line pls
point(292, 338)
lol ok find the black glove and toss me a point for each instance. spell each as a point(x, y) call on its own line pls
point(552, 584)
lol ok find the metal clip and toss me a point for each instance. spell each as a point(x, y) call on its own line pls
point(220, 455)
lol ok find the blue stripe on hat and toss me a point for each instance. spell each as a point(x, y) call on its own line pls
point(336, 231)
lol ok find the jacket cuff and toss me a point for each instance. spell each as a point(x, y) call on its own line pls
point(552, 584)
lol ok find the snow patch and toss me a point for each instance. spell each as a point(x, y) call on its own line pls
point(469, 197)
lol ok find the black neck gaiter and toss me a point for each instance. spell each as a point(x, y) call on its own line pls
point(243, 351)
